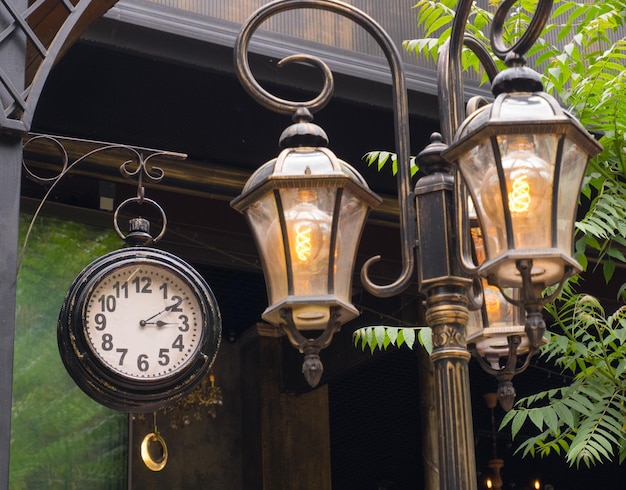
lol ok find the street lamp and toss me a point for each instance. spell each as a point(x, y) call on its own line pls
point(307, 209)
point(512, 156)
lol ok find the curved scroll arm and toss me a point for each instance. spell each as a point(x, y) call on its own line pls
point(137, 156)
point(47, 28)
point(452, 99)
point(449, 69)
point(530, 297)
point(400, 105)
point(526, 41)
point(450, 87)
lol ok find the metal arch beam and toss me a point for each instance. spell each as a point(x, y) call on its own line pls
point(48, 28)
point(35, 36)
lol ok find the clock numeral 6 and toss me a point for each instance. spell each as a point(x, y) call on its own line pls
point(142, 362)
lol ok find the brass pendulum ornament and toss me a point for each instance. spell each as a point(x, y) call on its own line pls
point(154, 449)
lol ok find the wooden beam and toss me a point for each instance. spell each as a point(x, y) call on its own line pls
point(46, 22)
point(289, 434)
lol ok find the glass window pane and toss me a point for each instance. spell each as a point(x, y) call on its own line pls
point(60, 437)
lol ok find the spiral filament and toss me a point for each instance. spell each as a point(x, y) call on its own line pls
point(303, 244)
point(519, 197)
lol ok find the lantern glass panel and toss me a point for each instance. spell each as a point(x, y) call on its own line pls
point(489, 328)
point(572, 173)
point(528, 195)
point(351, 220)
point(262, 217)
point(308, 220)
point(305, 161)
point(525, 106)
point(475, 165)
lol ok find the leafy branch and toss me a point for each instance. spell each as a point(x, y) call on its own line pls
point(585, 420)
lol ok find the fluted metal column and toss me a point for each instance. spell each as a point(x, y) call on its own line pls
point(447, 315)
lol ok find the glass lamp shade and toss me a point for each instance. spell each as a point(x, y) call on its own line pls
point(488, 329)
point(523, 159)
point(307, 209)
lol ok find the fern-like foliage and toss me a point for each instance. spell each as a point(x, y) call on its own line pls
point(582, 57)
point(585, 421)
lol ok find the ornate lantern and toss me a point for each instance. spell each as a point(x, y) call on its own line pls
point(307, 209)
point(523, 159)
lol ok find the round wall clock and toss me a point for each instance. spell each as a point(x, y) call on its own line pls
point(138, 329)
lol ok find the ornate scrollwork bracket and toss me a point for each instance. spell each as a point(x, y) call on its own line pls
point(135, 164)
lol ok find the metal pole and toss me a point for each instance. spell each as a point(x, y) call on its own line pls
point(447, 315)
point(447, 290)
point(10, 170)
point(12, 61)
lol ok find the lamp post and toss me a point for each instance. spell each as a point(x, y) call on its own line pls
point(511, 156)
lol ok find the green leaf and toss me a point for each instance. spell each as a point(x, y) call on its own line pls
point(426, 339)
point(537, 417)
point(409, 337)
point(379, 336)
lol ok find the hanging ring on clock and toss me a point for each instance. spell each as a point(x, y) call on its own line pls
point(154, 464)
point(140, 200)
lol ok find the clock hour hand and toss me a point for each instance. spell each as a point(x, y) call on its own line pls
point(143, 323)
point(158, 323)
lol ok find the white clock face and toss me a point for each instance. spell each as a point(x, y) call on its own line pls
point(143, 321)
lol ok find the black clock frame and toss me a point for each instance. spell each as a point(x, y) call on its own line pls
point(94, 377)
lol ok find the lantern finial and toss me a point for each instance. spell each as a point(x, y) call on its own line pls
point(303, 132)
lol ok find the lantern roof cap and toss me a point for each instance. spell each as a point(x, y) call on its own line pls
point(303, 132)
point(520, 113)
point(517, 78)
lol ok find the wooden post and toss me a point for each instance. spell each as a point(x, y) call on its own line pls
point(286, 438)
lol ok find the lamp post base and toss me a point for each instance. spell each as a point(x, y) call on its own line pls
point(447, 315)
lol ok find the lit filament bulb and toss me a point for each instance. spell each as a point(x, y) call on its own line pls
point(525, 174)
point(537, 485)
point(489, 483)
point(519, 197)
point(309, 231)
point(527, 182)
point(492, 302)
point(304, 245)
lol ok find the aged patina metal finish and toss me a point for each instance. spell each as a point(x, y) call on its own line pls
point(435, 231)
